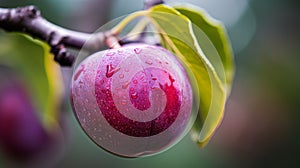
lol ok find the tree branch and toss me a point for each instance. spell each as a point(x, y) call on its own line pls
point(149, 3)
point(28, 20)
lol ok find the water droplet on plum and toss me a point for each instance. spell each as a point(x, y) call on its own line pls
point(137, 50)
point(110, 70)
point(149, 62)
point(134, 95)
point(110, 53)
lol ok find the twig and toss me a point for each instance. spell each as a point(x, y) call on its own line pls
point(28, 20)
point(149, 3)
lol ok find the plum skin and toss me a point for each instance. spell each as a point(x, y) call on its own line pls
point(132, 101)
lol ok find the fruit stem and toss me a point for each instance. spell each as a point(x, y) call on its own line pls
point(113, 42)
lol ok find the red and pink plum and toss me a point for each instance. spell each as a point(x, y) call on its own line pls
point(132, 101)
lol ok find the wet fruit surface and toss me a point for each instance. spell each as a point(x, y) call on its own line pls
point(132, 101)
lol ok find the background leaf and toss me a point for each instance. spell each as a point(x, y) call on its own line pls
point(177, 33)
point(41, 75)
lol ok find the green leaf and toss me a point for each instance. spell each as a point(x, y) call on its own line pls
point(178, 34)
point(211, 34)
point(41, 75)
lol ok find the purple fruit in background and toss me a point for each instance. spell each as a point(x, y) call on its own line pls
point(23, 137)
point(132, 101)
point(21, 132)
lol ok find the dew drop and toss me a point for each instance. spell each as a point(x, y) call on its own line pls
point(149, 62)
point(121, 76)
point(172, 80)
point(131, 89)
point(123, 102)
point(125, 86)
point(110, 53)
point(134, 95)
point(102, 81)
point(137, 50)
point(110, 70)
point(145, 89)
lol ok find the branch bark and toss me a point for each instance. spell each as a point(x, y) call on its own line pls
point(149, 3)
point(29, 20)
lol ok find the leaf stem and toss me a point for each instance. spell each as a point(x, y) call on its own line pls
point(118, 28)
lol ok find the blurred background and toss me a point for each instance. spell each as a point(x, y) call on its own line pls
point(262, 118)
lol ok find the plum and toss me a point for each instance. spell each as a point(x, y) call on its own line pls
point(132, 101)
point(21, 133)
point(23, 137)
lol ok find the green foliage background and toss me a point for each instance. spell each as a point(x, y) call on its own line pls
point(262, 119)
